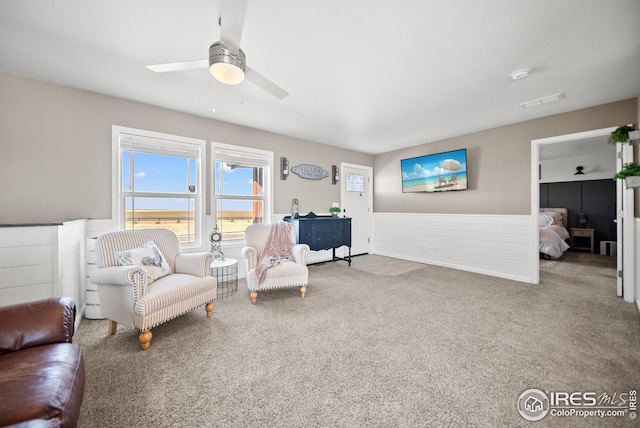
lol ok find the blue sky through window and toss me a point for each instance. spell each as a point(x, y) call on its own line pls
point(234, 180)
point(158, 173)
point(173, 174)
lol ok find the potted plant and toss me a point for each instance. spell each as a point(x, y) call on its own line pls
point(630, 173)
point(334, 211)
point(621, 134)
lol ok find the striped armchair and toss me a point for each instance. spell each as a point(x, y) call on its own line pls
point(129, 297)
point(288, 274)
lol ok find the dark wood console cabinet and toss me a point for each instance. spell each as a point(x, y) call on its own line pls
point(323, 233)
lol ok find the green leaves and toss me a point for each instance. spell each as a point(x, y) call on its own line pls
point(621, 134)
point(629, 169)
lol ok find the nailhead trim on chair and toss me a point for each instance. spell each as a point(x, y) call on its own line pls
point(167, 297)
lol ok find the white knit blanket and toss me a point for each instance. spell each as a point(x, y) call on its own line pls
point(276, 250)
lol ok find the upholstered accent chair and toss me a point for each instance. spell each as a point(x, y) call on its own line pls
point(133, 292)
point(287, 274)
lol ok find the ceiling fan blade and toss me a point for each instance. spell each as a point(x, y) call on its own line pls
point(232, 21)
point(179, 66)
point(264, 83)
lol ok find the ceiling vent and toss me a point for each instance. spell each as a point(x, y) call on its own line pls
point(543, 100)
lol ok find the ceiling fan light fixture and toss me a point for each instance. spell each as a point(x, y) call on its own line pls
point(226, 65)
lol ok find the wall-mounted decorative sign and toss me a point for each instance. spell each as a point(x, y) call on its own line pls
point(310, 172)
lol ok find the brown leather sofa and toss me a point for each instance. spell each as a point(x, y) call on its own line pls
point(41, 372)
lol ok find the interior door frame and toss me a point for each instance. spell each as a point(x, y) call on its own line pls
point(535, 198)
point(368, 194)
point(626, 220)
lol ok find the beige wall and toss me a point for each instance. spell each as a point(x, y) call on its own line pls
point(55, 151)
point(55, 155)
point(498, 164)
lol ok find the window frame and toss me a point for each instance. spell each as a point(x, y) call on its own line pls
point(118, 196)
point(267, 187)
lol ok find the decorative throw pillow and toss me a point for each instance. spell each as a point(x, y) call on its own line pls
point(557, 218)
point(148, 256)
point(545, 220)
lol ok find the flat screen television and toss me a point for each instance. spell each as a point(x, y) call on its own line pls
point(438, 172)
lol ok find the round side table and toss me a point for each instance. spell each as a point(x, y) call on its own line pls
point(226, 273)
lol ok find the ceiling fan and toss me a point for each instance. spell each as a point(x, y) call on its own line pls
point(227, 62)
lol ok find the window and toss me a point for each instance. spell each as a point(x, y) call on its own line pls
point(158, 183)
point(242, 183)
point(354, 183)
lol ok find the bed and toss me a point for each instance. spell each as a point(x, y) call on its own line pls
point(552, 224)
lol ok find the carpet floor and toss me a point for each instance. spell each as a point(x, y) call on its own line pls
point(427, 346)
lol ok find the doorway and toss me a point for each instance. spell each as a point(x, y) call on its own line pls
point(356, 197)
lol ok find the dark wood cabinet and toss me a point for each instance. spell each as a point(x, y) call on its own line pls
point(323, 233)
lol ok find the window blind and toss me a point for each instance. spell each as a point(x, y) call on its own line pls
point(239, 157)
point(137, 143)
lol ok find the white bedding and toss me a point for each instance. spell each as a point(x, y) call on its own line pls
point(552, 240)
point(553, 233)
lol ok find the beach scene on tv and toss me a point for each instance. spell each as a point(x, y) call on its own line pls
point(439, 172)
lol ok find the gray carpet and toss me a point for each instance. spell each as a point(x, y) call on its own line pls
point(429, 347)
point(380, 265)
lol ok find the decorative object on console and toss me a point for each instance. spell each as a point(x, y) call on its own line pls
point(216, 237)
point(334, 211)
point(438, 172)
point(284, 168)
point(310, 172)
point(295, 208)
point(579, 170)
point(335, 174)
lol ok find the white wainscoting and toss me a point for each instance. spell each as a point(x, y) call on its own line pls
point(38, 262)
point(95, 228)
point(26, 263)
point(496, 245)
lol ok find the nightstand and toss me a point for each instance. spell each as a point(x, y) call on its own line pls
point(579, 232)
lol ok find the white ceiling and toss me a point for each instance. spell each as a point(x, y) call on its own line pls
point(571, 149)
point(368, 75)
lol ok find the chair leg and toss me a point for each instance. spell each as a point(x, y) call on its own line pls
point(112, 327)
point(303, 290)
point(254, 297)
point(209, 309)
point(145, 339)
